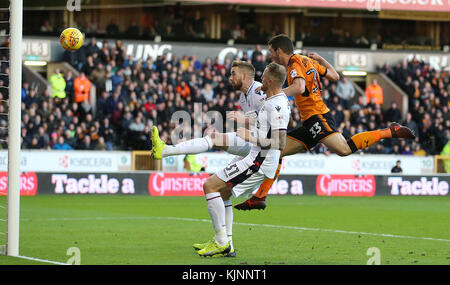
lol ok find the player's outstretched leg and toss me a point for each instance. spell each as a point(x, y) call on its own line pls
point(366, 139)
point(258, 200)
point(157, 144)
point(194, 146)
point(402, 132)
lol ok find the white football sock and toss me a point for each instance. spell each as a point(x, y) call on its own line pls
point(216, 210)
point(193, 146)
point(229, 220)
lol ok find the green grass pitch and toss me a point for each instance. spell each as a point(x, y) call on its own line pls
point(299, 230)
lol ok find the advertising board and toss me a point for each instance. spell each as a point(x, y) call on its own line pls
point(191, 184)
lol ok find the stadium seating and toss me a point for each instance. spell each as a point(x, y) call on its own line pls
point(154, 89)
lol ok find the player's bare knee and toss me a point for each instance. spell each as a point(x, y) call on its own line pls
point(343, 152)
point(226, 194)
point(209, 186)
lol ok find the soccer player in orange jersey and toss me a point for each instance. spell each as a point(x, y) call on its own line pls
point(318, 126)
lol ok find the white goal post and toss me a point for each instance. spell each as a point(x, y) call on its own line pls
point(14, 124)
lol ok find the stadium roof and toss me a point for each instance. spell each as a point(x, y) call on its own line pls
point(387, 5)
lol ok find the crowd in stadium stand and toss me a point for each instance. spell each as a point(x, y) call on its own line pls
point(190, 24)
point(428, 101)
point(134, 95)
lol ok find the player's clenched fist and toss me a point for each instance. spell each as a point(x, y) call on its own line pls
point(315, 56)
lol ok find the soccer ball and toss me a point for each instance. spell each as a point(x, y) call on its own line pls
point(71, 39)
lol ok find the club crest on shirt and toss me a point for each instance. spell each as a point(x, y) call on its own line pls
point(293, 73)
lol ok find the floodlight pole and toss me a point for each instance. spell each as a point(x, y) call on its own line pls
point(15, 65)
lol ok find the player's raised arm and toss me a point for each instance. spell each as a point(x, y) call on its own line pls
point(331, 73)
point(297, 87)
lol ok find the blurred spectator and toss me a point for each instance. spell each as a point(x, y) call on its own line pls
point(259, 64)
point(133, 30)
point(168, 32)
point(61, 144)
point(98, 77)
point(446, 152)
point(374, 92)
point(407, 150)
point(225, 32)
point(85, 144)
point(82, 88)
point(58, 84)
point(25, 90)
point(191, 164)
point(112, 29)
point(92, 47)
point(46, 27)
point(207, 92)
point(410, 123)
point(393, 114)
point(395, 150)
point(199, 26)
point(69, 84)
point(236, 32)
point(101, 145)
point(397, 168)
point(345, 91)
point(183, 89)
point(88, 66)
point(32, 98)
point(419, 151)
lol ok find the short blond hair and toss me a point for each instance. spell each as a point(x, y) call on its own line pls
point(277, 73)
point(244, 66)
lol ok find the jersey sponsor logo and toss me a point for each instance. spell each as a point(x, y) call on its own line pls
point(345, 185)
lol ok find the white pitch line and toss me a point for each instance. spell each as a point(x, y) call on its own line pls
point(41, 260)
point(249, 224)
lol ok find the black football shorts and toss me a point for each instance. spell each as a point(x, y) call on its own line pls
point(315, 129)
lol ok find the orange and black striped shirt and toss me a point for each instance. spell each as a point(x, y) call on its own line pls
point(309, 103)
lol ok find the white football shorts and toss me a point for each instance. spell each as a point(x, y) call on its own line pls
point(243, 176)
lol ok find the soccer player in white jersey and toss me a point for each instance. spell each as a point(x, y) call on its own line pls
point(267, 138)
point(242, 79)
